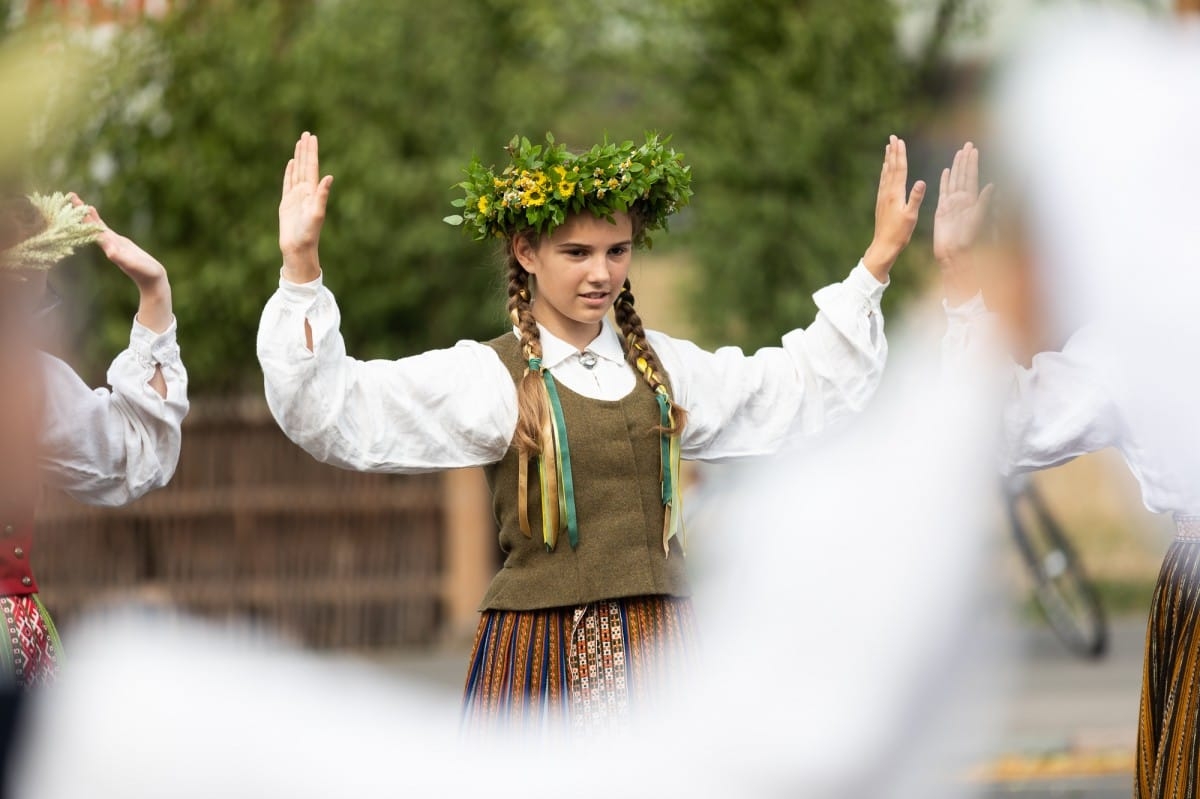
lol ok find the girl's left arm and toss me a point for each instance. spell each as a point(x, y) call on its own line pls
point(741, 406)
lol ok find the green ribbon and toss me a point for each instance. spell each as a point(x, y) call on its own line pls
point(664, 408)
point(566, 483)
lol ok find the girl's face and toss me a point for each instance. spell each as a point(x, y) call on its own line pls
point(580, 270)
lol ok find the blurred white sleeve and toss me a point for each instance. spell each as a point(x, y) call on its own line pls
point(740, 406)
point(111, 446)
point(1056, 410)
point(438, 410)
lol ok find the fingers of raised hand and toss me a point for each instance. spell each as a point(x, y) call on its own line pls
point(972, 177)
point(985, 197)
point(956, 171)
point(289, 175)
point(916, 197)
point(322, 193)
point(312, 165)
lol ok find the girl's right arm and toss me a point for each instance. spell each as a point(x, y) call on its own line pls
point(439, 410)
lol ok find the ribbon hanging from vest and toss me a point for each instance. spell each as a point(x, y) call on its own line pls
point(557, 482)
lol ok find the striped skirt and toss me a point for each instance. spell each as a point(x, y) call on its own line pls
point(1168, 748)
point(586, 668)
point(30, 656)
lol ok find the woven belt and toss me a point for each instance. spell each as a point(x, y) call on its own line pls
point(1187, 528)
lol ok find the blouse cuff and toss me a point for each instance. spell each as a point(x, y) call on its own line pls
point(866, 284)
point(300, 293)
point(154, 349)
point(973, 308)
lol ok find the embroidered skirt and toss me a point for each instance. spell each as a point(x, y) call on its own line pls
point(1168, 748)
point(585, 667)
point(31, 652)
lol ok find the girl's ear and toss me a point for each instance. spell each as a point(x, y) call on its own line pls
point(525, 253)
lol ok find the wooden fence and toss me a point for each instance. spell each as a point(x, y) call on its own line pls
point(253, 527)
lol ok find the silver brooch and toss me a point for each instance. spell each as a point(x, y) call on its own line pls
point(588, 359)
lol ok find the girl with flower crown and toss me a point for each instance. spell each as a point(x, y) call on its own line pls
point(101, 446)
point(579, 420)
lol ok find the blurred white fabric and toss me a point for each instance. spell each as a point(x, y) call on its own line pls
point(841, 601)
point(1098, 123)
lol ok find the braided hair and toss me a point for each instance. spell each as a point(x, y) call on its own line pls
point(532, 407)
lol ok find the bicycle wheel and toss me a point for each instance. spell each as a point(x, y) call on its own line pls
point(1063, 592)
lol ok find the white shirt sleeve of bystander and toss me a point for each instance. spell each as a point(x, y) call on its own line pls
point(111, 446)
point(1055, 410)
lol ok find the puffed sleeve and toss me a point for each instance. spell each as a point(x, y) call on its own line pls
point(1057, 409)
point(438, 410)
point(742, 405)
point(109, 446)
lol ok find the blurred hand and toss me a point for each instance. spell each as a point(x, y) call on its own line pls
point(895, 213)
point(302, 212)
point(154, 306)
point(154, 310)
point(961, 206)
point(961, 209)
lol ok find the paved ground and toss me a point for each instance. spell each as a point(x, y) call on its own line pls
point(1070, 728)
point(1072, 724)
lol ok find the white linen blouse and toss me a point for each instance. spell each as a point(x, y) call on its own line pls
point(457, 407)
point(109, 446)
point(1107, 387)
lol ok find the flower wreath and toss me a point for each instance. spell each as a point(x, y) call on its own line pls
point(543, 184)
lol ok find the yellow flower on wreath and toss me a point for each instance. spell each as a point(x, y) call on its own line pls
point(565, 189)
point(483, 204)
point(533, 197)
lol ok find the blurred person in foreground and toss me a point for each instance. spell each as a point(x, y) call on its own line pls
point(102, 446)
point(1093, 283)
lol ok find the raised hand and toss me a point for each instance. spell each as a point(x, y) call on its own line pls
point(961, 206)
point(302, 212)
point(961, 210)
point(895, 211)
point(154, 310)
point(154, 290)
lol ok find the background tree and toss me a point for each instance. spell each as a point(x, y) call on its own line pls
point(783, 106)
point(792, 105)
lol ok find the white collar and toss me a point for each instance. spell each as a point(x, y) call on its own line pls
point(607, 345)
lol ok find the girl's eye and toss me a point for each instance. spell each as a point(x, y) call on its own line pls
point(617, 251)
point(577, 253)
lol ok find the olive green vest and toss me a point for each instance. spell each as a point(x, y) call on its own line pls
point(615, 458)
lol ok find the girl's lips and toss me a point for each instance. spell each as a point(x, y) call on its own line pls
point(595, 298)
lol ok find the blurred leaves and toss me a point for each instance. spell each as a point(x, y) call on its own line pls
point(800, 98)
point(782, 107)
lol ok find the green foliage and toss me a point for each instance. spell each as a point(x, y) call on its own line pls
point(543, 184)
point(197, 117)
point(793, 106)
point(782, 106)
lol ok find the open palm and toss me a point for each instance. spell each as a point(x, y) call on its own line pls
point(302, 205)
point(961, 206)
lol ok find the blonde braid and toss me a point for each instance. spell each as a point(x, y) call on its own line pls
point(637, 348)
point(532, 409)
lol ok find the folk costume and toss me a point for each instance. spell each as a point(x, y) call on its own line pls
point(104, 446)
point(590, 615)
